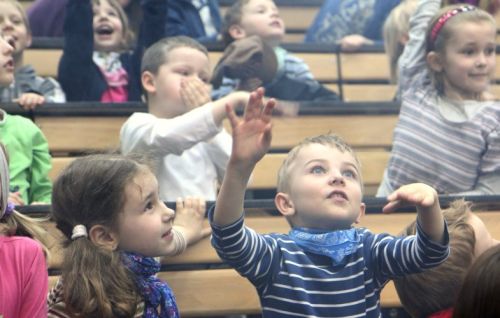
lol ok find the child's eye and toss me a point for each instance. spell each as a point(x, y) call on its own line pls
point(349, 174)
point(148, 206)
point(490, 51)
point(318, 170)
point(468, 52)
point(16, 21)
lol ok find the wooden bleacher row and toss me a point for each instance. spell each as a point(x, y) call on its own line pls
point(203, 286)
point(364, 75)
point(367, 127)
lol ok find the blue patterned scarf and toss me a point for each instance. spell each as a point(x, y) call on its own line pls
point(155, 292)
point(337, 244)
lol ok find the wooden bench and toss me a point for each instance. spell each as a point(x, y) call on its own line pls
point(75, 129)
point(265, 173)
point(364, 75)
point(221, 291)
point(69, 134)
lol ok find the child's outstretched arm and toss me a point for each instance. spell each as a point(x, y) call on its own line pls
point(251, 140)
point(426, 200)
point(189, 223)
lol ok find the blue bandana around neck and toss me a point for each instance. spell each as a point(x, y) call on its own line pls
point(155, 292)
point(337, 244)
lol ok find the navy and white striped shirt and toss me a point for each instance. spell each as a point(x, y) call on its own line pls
point(294, 283)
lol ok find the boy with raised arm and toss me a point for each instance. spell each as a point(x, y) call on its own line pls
point(323, 267)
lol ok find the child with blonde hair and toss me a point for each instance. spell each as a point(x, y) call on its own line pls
point(324, 265)
point(395, 34)
point(97, 64)
point(183, 126)
point(114, 224)
point(23, 253)
point(448, 133)
point(27, 89)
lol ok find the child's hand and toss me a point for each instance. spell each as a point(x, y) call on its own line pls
point(15, 197)
point(418, 194)
point(252, 133)
point(353, 42)
point(29, 101)
point(190, 219)
point(194, 93)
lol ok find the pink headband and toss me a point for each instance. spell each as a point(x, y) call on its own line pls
point(445, 17)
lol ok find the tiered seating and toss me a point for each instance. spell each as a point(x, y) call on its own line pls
point(203, 286)
point(73, 129)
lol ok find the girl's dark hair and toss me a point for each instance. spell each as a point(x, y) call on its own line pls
point(91, 191)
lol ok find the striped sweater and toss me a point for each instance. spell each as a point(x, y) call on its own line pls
point(294, 283)
point(429, 147)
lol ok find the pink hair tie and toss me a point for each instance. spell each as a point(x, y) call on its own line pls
point(445, 17)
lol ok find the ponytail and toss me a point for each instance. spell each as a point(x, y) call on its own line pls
point(97, 283)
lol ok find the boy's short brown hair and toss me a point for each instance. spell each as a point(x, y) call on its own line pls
point(232, 17)
point(157, 54)
point(325, 139)
point(436, 289)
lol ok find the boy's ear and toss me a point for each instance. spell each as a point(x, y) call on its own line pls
point(284, 204)
point(362, 209)
point(103, 237)
point(434, 61)
point(236, 32)
point(148, 82)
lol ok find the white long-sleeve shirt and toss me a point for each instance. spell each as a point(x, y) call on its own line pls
point(192, 150)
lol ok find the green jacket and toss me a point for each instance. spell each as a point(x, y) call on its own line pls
point(29, 158)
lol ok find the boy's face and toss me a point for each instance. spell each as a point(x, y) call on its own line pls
point(260, 17)
point(324, 188)
point(183, 64)
point(6, 63)
point(13, 28)
point(108, 28)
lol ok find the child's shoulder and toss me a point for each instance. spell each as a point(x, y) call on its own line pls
point(20, 243)
point(16, 120)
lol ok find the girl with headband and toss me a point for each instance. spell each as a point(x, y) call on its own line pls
point(23, 269)
point(448, 133)
point(114, 223)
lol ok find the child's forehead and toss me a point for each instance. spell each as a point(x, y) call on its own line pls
point(104, 4)
point(255, 3)
point(461, 32)
point(318, 151)
point(9, 8)
point(186, 55)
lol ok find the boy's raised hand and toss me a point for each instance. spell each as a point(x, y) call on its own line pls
point(419, 194)
point(426, 200)
point(252, 132)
